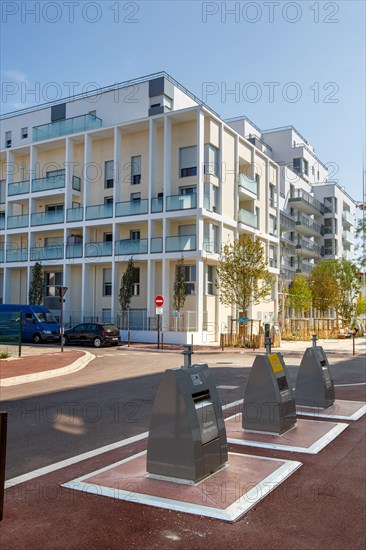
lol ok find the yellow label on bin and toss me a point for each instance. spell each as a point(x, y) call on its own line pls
point(275, 362)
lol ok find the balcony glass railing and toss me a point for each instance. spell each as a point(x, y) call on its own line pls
point(17, 255)
point(46, 253)
point(18, 188)
point(249, 218)
point(156, 245)
point(182, 243)
point(73, 125)
point(348, 255)
point(287, 221)
point(18, 221)
point(301, 195)
point(2, 256)
point(99, 211)
point(47, 218)
point(248, 183)
point(310, 224)
point(347, 217)
point(348, 236)
point(98, 250)
point(50, 182)
point(157, 204)
point(74, 214)
point(132, 208)
point(310, 246)
point(130, 247)
point(74, 251)
point(181, 202)
point(2, 222)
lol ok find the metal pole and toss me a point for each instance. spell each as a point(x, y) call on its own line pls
point(20, 335)
point(187, 352)
point(158, 331)
point(3, 432)
point(313, 339)
point(162, 340)
point(268, 343)
point(62, 323)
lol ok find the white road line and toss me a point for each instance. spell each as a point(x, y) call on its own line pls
point(355, 384)
point(227, 387)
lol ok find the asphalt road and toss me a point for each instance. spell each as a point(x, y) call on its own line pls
point(112, 398)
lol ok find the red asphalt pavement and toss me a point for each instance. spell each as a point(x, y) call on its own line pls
point(322, 505)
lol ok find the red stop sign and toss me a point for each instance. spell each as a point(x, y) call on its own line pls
point(159, 300)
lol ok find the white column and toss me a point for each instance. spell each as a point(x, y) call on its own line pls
point(69, 172)
point(166, 289)
point(117, 165)
point(266, 190)
point(200, 289)
point(88, 152)
point(115, 308)
point(167, 171)
point(152, 160)
point(200, 156)
point(150, 304)
point(66, 281)
point(85, 297)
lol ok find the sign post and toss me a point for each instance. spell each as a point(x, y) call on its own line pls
point(159, 301)
point(62, 291)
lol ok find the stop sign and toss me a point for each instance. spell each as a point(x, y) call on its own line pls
point(159, 300)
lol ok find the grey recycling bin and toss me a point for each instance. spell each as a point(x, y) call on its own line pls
point(314, 385)
point(187, 437)
point(269, 404)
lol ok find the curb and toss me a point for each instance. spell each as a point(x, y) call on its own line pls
point(53, 373)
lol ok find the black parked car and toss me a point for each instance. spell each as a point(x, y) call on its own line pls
point(92, 333)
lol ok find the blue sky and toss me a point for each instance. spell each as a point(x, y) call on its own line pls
point(299, 63)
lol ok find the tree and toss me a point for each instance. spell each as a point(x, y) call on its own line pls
point(126, 287)
point(37, 285)
point(299, 295)
point(346, 274)
point(360, 233)
point(243, 277)
point(179, 289)
point(324, 286)
point(360, 306)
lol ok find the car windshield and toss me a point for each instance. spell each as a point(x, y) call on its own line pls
point(45, 317)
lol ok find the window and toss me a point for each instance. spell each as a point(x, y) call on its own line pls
point(54, 207)
point(136, 281)
point(210, 280)
point(189, 274)
point(305, 165)
point(2, 191)
point(108, 200)
point(24, 133)
point(187, 190)
point(136, 170)
point(108, 174)
point(272, 225)
point(53, 241)
point(297, 165)
point(107, 281)
point(135, 197)
point(187, 161)
point(211, 165)
point(272, 195)
point(7, 139)
point(107, 237)
point(135, 234)
point(52, 280)
point(58, 112)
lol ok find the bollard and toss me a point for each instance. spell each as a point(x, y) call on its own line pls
point(187, 352)
point(3, 431)
point(268, 343)
point(313, 339)
point(162, 340)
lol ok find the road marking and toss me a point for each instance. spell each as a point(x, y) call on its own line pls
point(355, 384)
point(227, 387)
point(89, 454)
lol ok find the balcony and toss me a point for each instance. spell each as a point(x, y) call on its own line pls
point(211, 247)
point(48, 183)
point(76, 183)
point(2, 222)
point(74, 251)
point(47, 218)
point(347, 218)
point(287, 222)
point(74, 125)
point(132, 208)
point(15, 222)
point(305, 268)
point(348, 237)
point(18, 188)
point(183, 243)
point(287, 274)
point(74, 214)
point(99, 211)
point(247, 184)
point(181, 202)
point(248, 218)
point(156, 245)
point(157, 204)
point(46, 253)
point(308, 227)
point(17, 255)
point(98, 250)
point(330, 230)
point(309, 249)
point(2, 255)
point(304, 202)
point(130, 247)
point(348, 255)
point(331, 251)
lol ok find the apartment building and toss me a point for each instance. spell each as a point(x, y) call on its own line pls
point(141, 169)
point(317, 216)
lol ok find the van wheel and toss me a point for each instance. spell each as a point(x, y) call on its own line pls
point(37, 338)
point(97, 342)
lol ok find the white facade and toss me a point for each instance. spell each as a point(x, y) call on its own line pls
point(145, 170)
